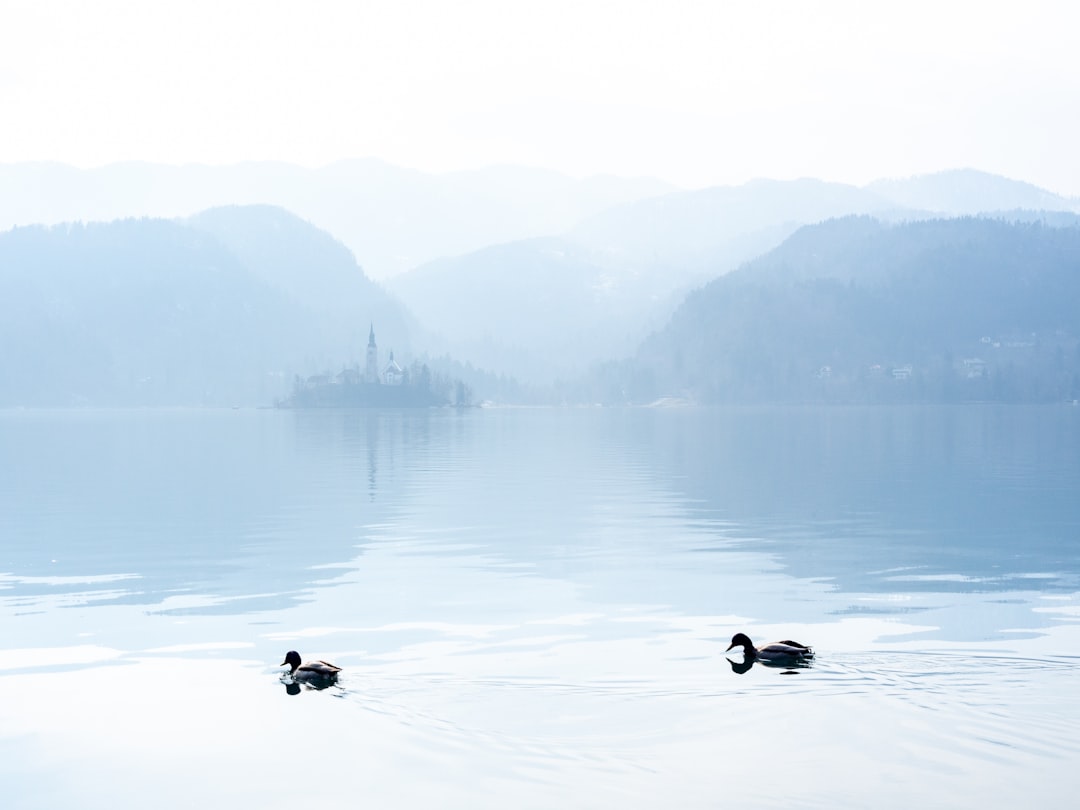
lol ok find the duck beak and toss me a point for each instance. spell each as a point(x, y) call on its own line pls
point(729, 649)
point(283, 664)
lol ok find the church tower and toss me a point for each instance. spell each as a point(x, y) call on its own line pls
point(371, 369)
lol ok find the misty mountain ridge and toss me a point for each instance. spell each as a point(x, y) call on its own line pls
point(724, 224)
point(313, 270)
point(391, 218)
point(855, 309)
point(536, 309)
point(161, 312)
point(539, 309)
point(715, 229)
point(394, 219)
point(959, 192)
point(542, 309)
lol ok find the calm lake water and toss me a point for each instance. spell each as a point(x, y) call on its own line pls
point(532, 606)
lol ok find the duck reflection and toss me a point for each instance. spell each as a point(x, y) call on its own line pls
point(741, 667)
point(294, 687)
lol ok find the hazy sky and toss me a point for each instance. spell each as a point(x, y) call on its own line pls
point(699, 93)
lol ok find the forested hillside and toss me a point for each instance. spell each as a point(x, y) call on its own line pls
point(854, 309)
point(156, 312)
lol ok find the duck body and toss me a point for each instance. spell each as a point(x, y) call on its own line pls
point(779, 652)
point(311, 671)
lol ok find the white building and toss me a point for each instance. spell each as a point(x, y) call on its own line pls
point(393, 374)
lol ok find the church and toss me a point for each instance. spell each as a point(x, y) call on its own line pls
point(392, 373)
point(372, 386)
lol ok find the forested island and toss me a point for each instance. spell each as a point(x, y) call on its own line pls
point(419, 387)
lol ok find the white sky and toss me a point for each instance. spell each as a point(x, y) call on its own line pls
point(696, 92)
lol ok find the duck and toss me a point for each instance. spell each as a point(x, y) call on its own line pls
point(312, 671)
point(784, 652)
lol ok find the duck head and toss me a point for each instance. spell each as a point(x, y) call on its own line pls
point(292, 660)
point(742, 640)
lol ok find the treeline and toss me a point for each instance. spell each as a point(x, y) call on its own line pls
point(420, 387)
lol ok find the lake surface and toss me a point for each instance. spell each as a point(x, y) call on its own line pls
point(532, 607)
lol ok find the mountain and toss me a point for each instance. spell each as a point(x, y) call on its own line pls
point(315, 272)
point(543, 309)
point(605, 261)
point(390, 218)
point(711, 231)
point(857, 309)
point(536, 309)
point(160, 312)
point(966, 191)
point(708, 232)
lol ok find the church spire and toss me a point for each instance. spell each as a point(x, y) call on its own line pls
point(371, 367)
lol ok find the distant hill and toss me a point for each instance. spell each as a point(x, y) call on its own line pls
point(543, 309)
point(705, 233)
point(967, 191)
point(314, 271)
point(158, 312)
point(708, 232)
point(537, 309)
point(389, 217)
point(856, 309)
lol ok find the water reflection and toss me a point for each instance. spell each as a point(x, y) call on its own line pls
point(743, 666)
point(295, 687)
point(237, 504)
point(962, 518)
point(956, 499)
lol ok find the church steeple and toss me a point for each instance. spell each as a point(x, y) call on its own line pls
point(371, 368)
